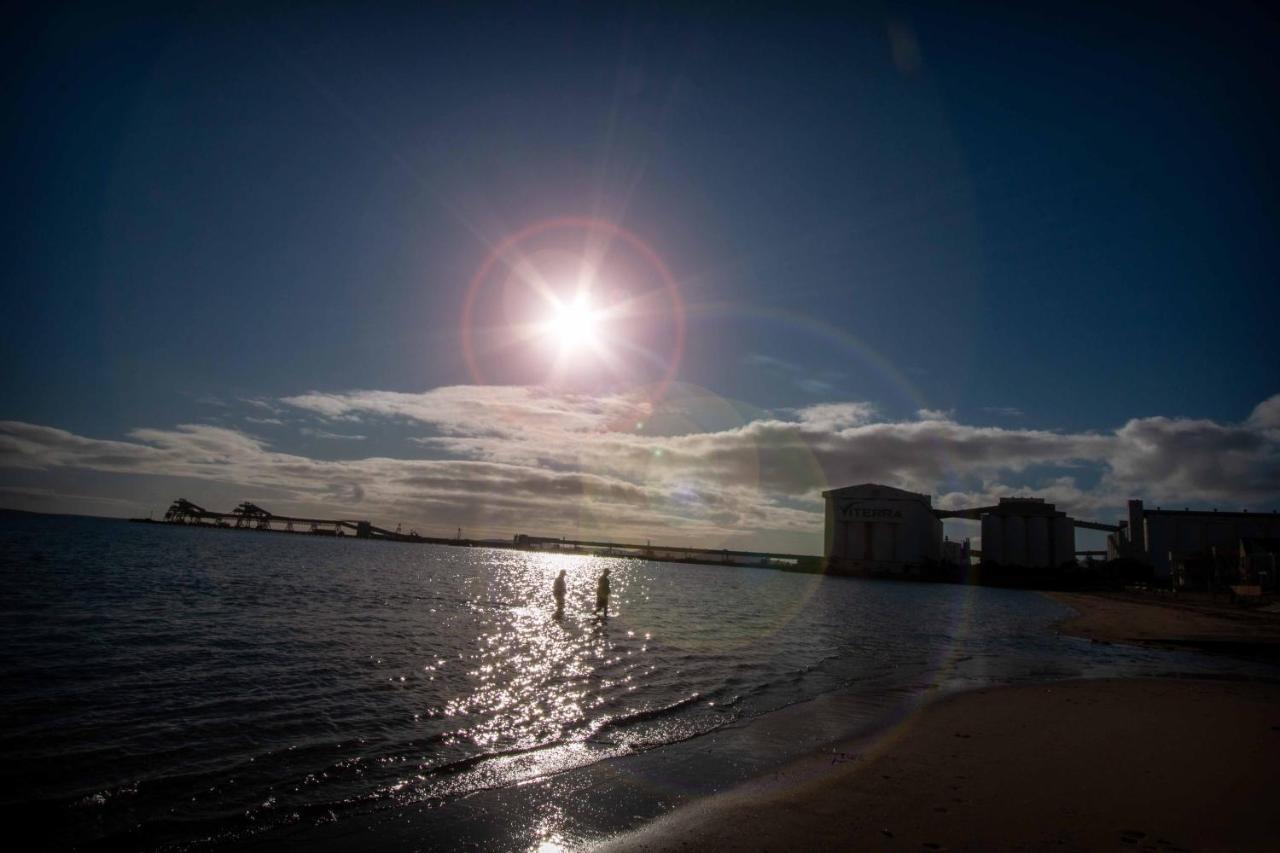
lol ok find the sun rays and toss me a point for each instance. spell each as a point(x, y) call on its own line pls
point(597, 306)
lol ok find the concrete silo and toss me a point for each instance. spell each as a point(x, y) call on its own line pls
point(1015, 540)
point(992, 538)
point(1038, 555)
point(1064, 540)
point(1024, 532)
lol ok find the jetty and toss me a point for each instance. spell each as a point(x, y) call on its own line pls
point(249, 516)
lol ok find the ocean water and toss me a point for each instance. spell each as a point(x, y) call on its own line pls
point(169, 688)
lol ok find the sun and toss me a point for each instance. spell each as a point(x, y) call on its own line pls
point(574, 302)
point(573, 324)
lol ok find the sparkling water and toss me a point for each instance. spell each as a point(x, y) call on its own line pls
point(166, 685)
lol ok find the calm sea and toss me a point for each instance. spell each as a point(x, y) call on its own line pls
point(170, 687)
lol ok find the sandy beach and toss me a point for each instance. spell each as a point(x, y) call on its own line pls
point(1173, 622)
point(1153, 764)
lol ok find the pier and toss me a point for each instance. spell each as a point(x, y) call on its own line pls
point(248, 516)
point(667, 553)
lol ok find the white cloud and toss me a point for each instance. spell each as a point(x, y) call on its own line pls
point(510, 459)
point(337, 436)
point(835, 416)
point(259, 403)
point(470, 409)
point(1266, 415)
point(1173, 459)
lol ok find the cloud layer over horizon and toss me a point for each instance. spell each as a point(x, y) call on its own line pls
point(504, 459)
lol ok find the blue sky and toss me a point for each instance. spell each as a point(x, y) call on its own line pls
point(1038, 228)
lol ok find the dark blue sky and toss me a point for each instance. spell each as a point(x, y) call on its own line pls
point(1070, 212)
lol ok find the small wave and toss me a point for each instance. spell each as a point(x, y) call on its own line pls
point(100, 798)
point(461, 764)
point(648, 714)
point(593, 728)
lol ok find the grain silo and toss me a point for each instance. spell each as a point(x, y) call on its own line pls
point(1024, 532)
point(1064, 540)
point(1015, 538)
point(992, 538)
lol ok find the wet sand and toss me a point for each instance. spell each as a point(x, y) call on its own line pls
point(1168, 764)
point(1143, 764)
point(1173, 622)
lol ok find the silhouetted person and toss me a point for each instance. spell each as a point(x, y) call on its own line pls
point(557, 591)
point(602, 594)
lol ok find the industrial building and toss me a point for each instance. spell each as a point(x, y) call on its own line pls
point(1260, 561)
point(880, 530)
point(876, 529)
point(1027, 532)
point(956, 553)
point(1166, 538)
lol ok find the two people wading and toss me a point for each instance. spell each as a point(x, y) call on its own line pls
point(602, 595)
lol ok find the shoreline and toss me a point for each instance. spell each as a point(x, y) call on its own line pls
point(1158, 764)
point(778, 766)
point(1169, 764)
point(1191, 623)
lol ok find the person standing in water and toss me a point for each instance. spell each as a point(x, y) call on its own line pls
point(602, 594)
point(557, 591)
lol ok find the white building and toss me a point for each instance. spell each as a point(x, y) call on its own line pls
point(877, 529)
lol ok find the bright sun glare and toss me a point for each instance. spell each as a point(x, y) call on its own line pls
point(573, 324)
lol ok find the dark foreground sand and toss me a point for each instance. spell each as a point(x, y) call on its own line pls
point(1151, 764)
point(1173, 764)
